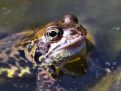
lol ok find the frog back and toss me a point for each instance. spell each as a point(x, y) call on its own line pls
point(13, 61)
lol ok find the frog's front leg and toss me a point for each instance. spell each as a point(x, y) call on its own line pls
point(45, 82)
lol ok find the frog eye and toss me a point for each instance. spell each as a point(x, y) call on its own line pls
point(54, 33)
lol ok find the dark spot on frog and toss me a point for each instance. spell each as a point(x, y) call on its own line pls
point(4, 65)
point(33, 70)
point(8, 52)
point(36, 56)
point(23, 63)
point(22, 53)
point(11, 61)
point(30, 64)
point(17, 72)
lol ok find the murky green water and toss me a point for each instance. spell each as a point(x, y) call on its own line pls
point(101, 17)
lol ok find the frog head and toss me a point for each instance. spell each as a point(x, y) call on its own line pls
point(60, 43)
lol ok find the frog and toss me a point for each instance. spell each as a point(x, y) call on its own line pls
point(53, 50)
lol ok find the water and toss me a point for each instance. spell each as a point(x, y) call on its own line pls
point(101, 17)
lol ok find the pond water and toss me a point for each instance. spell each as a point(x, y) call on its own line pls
point(101, 17)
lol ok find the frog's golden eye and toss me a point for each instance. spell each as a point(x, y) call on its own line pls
point(53, 34)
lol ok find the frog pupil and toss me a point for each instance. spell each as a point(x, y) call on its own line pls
point(52, 34)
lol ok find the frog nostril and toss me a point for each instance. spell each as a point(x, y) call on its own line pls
point(73, 32)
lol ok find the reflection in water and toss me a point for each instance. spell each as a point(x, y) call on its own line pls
point(112, 81)
point(102, 18)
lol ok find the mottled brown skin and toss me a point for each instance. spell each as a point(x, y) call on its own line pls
point(12, 55)
point(17, 55)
